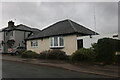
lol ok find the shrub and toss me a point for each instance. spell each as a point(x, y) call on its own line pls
point(54, 54)
point(29, 54)
point(83, 55)
point(106, 49)
point(94, 47)
point(43, 54)
point(117, 42)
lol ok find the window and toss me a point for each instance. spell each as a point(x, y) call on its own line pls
point(56, 42)
point(20, 44)
point(6, 33)
point(11, 33)
point(34, 43)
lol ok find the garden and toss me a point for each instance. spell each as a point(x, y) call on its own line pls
point(102, 53)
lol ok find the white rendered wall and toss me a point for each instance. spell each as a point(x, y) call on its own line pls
point(87, 41)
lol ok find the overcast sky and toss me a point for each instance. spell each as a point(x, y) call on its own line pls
point(42, 14)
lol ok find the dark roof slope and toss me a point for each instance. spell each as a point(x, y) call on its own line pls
point(9, 28)
point(62, 28)
point(20, 27)
point(26, 28)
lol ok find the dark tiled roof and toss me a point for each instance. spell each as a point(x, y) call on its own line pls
point(62, 28)
point(21, 27)
point(8, 28)
point(26, 28)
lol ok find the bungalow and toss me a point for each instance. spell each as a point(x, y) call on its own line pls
point(61, 35)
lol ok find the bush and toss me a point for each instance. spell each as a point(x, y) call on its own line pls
point(83, 55)
point(43, 54)
point(94, 47)
point(117, 42)
point(55, 54)
point(106, 49)
point(29, 54)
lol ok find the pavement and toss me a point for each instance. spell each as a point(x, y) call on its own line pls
point(108, 70)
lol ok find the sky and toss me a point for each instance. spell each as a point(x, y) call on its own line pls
point(101, 17)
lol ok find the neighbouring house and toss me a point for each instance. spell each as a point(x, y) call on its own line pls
point(62, 35)
point(1, 39)
point(14, 36)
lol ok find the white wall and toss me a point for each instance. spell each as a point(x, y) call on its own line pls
point(70, 44)
point(87, 41)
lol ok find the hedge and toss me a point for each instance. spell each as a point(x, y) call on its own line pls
point(54, 54)
point(106, 48)
point(29, 54)
point(83, 54)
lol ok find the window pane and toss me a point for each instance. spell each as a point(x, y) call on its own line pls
point(55, 41)
point(61, 41)
point(6, 33)
point(34, 43)
point(12, 33)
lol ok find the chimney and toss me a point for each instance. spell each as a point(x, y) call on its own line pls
point(10, 24)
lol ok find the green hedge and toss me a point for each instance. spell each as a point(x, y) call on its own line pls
point(29, 54)
point(43, 54)
point(54, 54)
point(117, 42)
point(83, 54)
point(102, 51)
point(106, 48)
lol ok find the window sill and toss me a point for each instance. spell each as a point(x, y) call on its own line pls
point(56, 47)
point(34, 46)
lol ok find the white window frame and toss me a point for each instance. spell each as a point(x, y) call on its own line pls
point(34, 42)
point(53, 45)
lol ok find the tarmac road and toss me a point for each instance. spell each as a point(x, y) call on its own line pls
point(22, 70)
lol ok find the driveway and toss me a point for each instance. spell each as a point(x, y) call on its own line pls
point(22, 70)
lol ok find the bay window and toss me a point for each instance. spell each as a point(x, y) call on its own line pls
point(56, 42)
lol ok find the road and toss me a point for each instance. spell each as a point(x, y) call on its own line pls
point(22, 70)
point(0, 67)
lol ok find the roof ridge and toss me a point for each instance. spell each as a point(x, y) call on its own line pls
point(84, 27)
point(72, 25)
point(52, 25)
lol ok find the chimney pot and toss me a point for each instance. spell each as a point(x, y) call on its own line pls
point(10, 24)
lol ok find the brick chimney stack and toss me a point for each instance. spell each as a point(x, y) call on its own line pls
point(10, 24)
